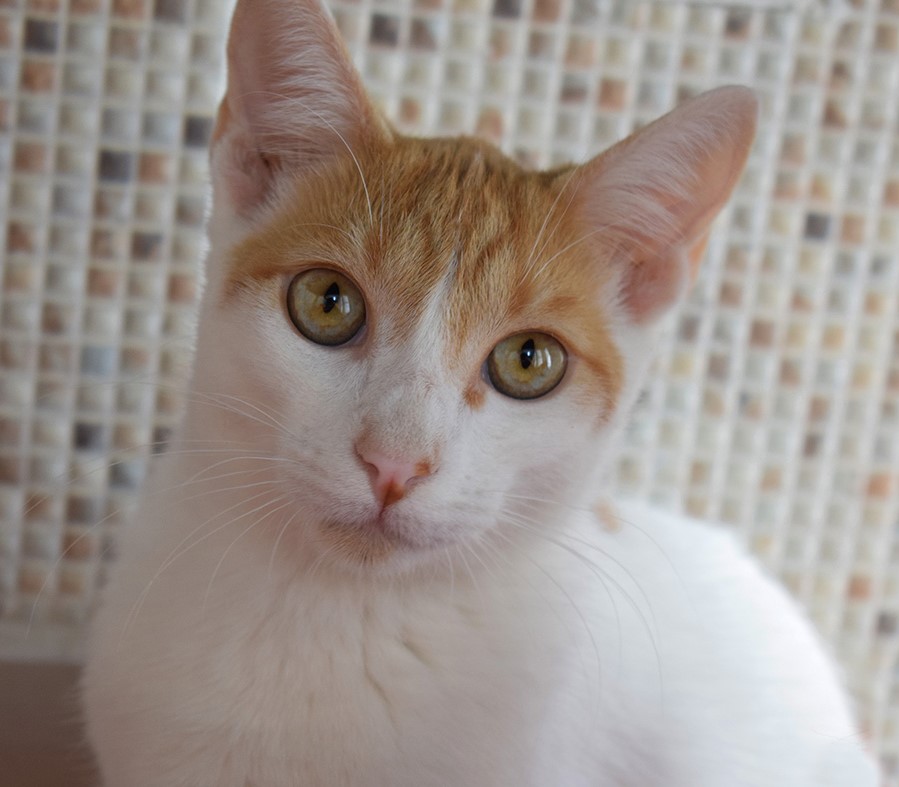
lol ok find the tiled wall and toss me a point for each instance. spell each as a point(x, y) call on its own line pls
point(775, 406)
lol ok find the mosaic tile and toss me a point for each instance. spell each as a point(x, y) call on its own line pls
point(777, 387)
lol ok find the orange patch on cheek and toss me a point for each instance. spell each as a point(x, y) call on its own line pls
point(607, 516)
point(423, 468)
point(474, 397)
point(606, 378)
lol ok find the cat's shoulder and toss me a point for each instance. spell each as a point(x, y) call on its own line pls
point(643, 528)
point(703, 569)
point(746, 641)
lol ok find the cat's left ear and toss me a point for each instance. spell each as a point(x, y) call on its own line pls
point(651, 198)
point(293, 102)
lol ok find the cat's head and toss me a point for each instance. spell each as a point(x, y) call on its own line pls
point(437, 343)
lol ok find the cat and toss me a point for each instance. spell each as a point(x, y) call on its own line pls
point(377, 552)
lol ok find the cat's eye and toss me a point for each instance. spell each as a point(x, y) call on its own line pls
point(527, 365)
point(326, 307)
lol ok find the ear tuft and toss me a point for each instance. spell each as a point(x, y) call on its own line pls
point(653, 196)
point(293, 99)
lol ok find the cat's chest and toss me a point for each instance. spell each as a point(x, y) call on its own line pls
point(376, 688)
point(374, 681)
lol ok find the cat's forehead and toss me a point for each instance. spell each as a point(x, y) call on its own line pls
point(448, 220)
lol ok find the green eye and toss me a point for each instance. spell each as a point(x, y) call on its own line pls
point(527, 365)
point(326, 307)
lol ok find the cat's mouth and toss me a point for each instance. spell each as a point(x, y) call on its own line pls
point(366, 542)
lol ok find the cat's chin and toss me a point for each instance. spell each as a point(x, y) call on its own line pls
point(369, 544)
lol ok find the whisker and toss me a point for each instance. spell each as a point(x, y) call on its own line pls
point(652, 631)
point(534, 255)
point(470, 545)
point(633, 246)
point(265, 413)
point(192, 397)
point(319, 561)
point(628, 522)
point(601, 575)
point(452, 573)
point(287, 524)
point(104, 464)
point(306, 108)
point(92, 528)
point(260, 520)
point(595, 548)
point(175, 554)
point(575, 607)
point(467, 565)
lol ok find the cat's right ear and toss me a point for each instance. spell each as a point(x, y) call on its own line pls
point(293, 99)
point(651, 198)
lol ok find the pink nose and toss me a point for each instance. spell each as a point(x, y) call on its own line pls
point(390, 477)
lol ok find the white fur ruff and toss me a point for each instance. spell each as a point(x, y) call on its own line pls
point(674, 662)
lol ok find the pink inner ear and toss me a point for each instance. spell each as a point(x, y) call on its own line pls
point(293, 99)
point(649, 286)
point(655, 194)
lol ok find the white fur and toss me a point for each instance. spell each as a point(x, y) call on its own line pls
point(513, 639)
point(670, 661)
point(238, 653)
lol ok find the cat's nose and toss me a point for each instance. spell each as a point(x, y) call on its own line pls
point(390, 477)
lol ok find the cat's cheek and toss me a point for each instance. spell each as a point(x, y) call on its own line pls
point(529, 447)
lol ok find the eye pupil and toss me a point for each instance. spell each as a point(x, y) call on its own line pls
point(527, 353)
point(331, 297)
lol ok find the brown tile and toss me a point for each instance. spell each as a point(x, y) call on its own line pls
point(880, 485)
point(32, 157)
point(852, 230)
point(762, 333)
point(886, 38)
point(859, 588)
point(490, 124)
point(44, 6)
point(131, 9)
point(86, 7)
point(613, 94)
point(547, 10)
point(39, 76)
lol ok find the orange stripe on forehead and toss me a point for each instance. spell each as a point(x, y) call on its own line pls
point(399, 245)
point(522, 269)
point(452, 219)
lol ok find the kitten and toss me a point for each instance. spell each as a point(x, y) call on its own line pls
point(377, 553)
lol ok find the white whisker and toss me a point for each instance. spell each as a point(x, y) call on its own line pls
point(178, 552)
point(652, 631)
point(260, 520)
point(534, 255)
point(294, 100)
point(284, 528)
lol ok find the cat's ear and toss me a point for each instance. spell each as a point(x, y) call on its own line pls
point(293, 98)
point(654, 195)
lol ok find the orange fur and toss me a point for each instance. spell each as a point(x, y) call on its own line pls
point(395, 492)
point(423, 468)
point(455, 216)
point(474, 396)
point(607, 516)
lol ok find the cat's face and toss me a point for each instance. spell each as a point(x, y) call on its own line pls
point(436, 344)
point(448, 250)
